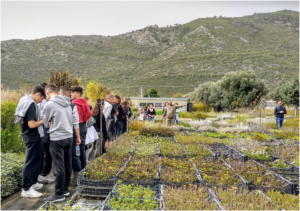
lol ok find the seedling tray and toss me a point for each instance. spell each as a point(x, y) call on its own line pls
point(46, 206)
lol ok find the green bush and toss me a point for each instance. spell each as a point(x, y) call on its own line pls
point(159, 112)
point(11, 172)
point(11, 140)
point(201, 107)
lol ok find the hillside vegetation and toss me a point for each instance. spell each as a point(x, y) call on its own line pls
point(182, 56)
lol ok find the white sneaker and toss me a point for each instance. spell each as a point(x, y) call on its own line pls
point(45, 179)
point(31, 193)
point(37, 186)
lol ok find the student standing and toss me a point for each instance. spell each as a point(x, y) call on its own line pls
point(279, 112)
point(165, 113)
point(170, 113)
point(151, 113)
point(58, 118)
point(85, 114)
point(76, 164)
point(108, 114)
point(120, 114)
point(28, 115)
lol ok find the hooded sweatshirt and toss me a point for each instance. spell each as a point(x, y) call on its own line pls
point(58, 112)
point(22, 108)
point(83, 109)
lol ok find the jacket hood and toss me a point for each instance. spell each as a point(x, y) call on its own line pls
point(61, 100)
point(79, 101)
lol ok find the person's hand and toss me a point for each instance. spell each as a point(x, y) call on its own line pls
point(78, 141)
point(281, 112)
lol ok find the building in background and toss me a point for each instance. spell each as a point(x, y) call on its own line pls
point(157, 103)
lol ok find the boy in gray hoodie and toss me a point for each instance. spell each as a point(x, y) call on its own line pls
point(58, 118)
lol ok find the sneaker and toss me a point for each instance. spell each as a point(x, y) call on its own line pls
point(54, 198)
point(31, 193)
point(66, 192)
point(45, 179)
point(37, 186)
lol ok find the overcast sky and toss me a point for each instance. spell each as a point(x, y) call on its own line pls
point(31, 20)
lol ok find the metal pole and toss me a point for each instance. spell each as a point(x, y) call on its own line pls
point(100, 105)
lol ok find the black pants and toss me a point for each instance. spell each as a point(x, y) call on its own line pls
point(32, 163)
point(47, 159)
point(79, 162)
point(62, 163)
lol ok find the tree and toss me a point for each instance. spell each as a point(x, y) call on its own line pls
point(151, 93)
point(63, 78)
point(96, 91)
point(177, 95)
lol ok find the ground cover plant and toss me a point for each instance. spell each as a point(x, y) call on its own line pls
point(216, 172)
point(151, 129)
point(141, 168)
point(263, 136)
point(245, 135)
point(213, 135)
point(235, 199)
point(188, 197)
point(106, 166)
point(285, 201)
point(194, 134)
point(11, 172)
point(229, 135)
point(289, 153)
point(124, 144)
point(205, 140)
point(256, 174)
point(130, 198)
point(177, 171)
point(197, 150)
point(146, 149)
point(171, 149)
point(185, 139)
point(146, 140)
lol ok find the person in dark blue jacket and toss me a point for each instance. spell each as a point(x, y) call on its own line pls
point(279, 112)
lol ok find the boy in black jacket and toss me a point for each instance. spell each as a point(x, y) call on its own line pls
point(279, 112)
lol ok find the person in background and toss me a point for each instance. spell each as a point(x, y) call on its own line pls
point(279, 113)
point(108, 112)
point(58, 117)
point(85, 114)
point(27, 114)
point(87, 100)
point(151, 113)
point(170, 113)
point(65, 91)
point(46, 164)
point(143, 113)
point(165, 113)
point(124, 105)
point(120, 114)
point(177, 114)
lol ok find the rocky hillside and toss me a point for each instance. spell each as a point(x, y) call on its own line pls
point(171, 59)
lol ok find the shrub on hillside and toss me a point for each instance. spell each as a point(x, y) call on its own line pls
point(10, 132)
point(11, 172)
point(201, 107)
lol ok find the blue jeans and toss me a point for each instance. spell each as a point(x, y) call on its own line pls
point(119, 128)
point(151, 119)
point(279, 122)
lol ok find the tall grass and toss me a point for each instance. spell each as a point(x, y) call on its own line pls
point(10, 95)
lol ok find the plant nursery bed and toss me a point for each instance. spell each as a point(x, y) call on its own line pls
point(283, 200)
point(130, 197)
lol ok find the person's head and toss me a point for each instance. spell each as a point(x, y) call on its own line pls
point(280, 102)
point(124, 106)
point(43, 84)
point(145, 108)
point(117, 99)
point(176, 104)
point(76, 92)
point(170, 102)
point(51, 90)
point(151, 106)
point(166, 103)
point(96, 108)
point(64, 91)
point(38, 94)
point(110, 98)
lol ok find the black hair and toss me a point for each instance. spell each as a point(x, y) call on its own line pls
point(43, 84)
point(77, 89)
point(118, 97)
point(39, 89)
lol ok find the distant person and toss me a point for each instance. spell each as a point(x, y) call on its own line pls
point(170, 113)
point(125, 108)
point(58, 118)
point(279, 112)
point(85, 114)
point(120, 114)
point(151, 113)
point(27, 114)
point(46, 164)
point(87, 100)
point(76, 164)
point(177, 114)
point(143, 113)
point(165, 112)
point(108, 112)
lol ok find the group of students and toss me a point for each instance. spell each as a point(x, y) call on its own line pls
point(54, 128)
point(170, 113)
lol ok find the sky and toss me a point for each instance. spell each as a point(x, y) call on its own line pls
point(33, 20)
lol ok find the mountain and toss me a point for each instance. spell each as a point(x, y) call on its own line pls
point(171, 59)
